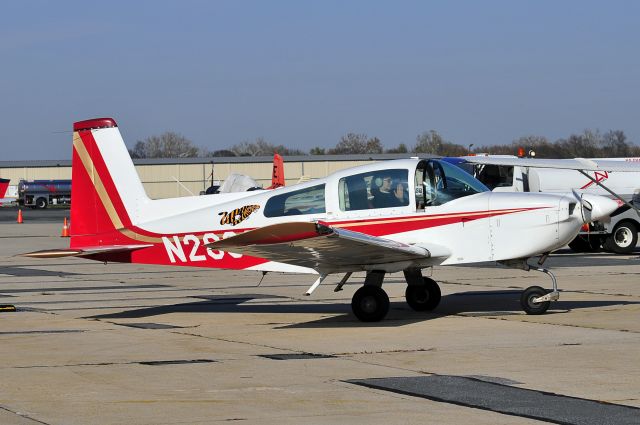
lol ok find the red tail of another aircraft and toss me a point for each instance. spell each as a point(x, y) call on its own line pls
point(277, 176)
point(4, 184)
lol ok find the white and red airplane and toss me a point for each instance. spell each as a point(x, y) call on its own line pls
point(401, 215)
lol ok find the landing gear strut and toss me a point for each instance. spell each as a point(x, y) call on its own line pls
point(371, 303)
point(536, 300)
point(423, 293)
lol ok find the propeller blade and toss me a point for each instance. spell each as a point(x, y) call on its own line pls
point(586, 204)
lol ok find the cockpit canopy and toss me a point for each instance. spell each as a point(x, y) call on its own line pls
point(375, 186)
point(438, 182)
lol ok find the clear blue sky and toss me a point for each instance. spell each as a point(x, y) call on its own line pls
point(304, 73)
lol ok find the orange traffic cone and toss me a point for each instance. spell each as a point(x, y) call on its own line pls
point(65, 229)
point(19, 220)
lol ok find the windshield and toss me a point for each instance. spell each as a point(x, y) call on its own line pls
point(438, 182)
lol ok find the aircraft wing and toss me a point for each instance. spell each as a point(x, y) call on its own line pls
point(569, 164)
point(83, 252)
point(323, 247)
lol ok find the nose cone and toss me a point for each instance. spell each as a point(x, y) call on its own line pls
point(595, 207)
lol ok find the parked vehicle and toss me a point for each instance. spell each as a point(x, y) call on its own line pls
point(42, 193)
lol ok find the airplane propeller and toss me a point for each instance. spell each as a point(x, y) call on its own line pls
point(586, 205)
point(594, 207)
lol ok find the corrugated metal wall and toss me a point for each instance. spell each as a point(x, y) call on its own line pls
point(183, 179)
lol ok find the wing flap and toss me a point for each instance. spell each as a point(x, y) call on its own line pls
point(320, 246)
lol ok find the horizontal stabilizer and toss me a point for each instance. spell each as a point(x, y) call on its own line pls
point(83, 252)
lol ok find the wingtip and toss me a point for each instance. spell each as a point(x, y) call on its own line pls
point(51, 253)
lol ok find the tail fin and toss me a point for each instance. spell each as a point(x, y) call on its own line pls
point(4, 184)
point(106, 190)
point(277, 177)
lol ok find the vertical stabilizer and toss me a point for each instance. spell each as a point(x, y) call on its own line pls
point(106, 190)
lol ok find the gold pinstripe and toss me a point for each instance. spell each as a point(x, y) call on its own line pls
point(87, 162)
point(97, 182)
point(137, 236)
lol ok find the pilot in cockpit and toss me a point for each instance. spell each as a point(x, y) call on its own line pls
point(389, 193)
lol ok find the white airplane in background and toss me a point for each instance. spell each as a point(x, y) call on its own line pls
point(402, 215)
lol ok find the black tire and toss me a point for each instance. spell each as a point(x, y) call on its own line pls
point(582, 243)
point(370, 303)
point(527, 297)
point(623, 239)
point(423, 297)
point(41, 203)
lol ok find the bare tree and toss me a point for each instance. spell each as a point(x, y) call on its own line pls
point(542, 147)
point(246, 148)
point(353, 143)
point(317, 151)
point(589, 144)
point(614, 144)
point(433, 143)
point(263, 148)
point(166, 145)
point(401, 148)
point(581, 145)
point(429, 142)
point(220, 153)
point(138, 150)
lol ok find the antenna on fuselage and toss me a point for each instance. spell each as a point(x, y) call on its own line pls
point(262, 278)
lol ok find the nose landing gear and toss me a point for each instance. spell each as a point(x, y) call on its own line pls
point(536, 300)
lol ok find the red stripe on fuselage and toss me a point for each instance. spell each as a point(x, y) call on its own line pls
point(391, 225)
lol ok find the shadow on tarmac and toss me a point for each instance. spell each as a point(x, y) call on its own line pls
point(28, 271)
point(473, 303)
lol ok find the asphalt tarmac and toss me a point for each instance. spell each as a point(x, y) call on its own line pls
point(9, 214)
point(119, 343)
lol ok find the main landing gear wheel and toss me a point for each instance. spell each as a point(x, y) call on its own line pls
point(528, 303)
point(423, 297)
point(370, 303)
